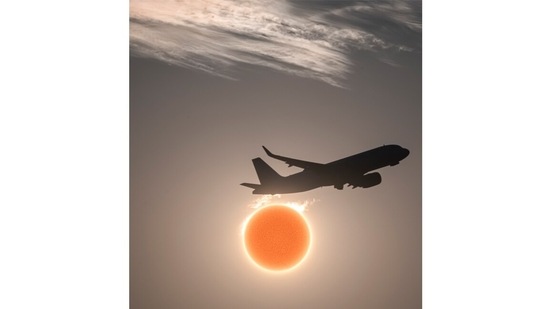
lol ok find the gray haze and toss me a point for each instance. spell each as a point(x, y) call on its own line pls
point(194, 133)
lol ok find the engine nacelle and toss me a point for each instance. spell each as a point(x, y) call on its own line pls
point(366, 181)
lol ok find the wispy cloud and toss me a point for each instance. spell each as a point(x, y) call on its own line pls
point(216, 35)
point(266, 200)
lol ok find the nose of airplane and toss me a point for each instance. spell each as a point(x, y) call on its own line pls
point(405, 152)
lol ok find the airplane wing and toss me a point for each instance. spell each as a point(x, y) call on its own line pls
point(293, 162)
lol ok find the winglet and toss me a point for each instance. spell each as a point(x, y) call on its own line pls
point(270, 154)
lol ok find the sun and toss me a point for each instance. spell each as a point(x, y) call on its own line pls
point(277, 237)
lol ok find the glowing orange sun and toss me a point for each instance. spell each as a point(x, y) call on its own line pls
point(277, 237)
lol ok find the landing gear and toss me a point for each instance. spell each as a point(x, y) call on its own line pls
point(339, 186)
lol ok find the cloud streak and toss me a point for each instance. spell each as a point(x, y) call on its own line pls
point(312, 42)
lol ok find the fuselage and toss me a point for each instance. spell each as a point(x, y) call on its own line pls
point(336, 173)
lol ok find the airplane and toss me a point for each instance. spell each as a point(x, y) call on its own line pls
point(353, 171)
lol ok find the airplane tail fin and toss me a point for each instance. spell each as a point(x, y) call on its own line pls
point(265, 173)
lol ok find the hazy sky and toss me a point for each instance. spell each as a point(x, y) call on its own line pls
point(212, 81)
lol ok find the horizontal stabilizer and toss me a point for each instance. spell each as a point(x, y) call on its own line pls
point(250, 185)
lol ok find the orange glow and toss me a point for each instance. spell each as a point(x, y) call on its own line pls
point(277, 237)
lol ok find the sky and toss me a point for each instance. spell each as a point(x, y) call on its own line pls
point(213, 81)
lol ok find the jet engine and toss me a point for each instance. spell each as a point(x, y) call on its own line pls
point(366, 181)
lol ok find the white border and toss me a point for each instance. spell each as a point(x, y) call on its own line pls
point(486, 150)
point(64, 155)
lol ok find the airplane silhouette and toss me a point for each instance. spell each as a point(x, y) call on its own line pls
point(350, 170)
